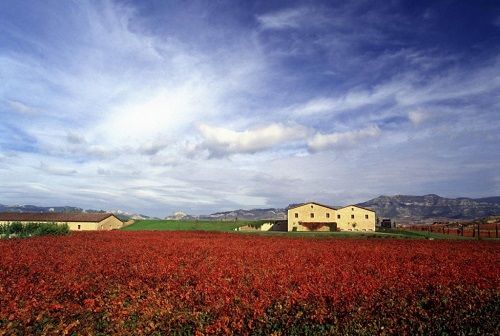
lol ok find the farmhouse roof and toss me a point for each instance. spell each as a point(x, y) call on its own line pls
point(53, 217)
point(357, 206)
point(323, 205)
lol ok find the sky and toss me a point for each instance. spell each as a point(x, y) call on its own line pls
point(202, 106)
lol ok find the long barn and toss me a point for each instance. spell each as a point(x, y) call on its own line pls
point(75, 221)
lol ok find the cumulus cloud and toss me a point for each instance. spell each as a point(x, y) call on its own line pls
point(153, 147)
point(221, 142)
point(322, 142)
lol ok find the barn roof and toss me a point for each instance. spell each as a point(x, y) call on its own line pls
point(316, 203)
point(330, 207)
point(356, 206)
point(53, 217)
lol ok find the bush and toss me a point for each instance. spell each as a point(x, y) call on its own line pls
point(51, 230)
point(16, 228)
point(33, 229)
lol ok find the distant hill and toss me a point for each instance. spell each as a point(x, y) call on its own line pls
point(494, 200)
point(402, 208)
point(123, 215)
point(35, 208)
point(417, 208)
point(253, 214)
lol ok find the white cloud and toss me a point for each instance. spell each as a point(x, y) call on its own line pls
point(21, 108)
point(417, 117)
point(220, 141)
point(340, 140)
point(75, 139)
point(118, 97)
point(54, 170)
point(315, 106)
point(153, 147)
point(284, 19)
point(353, 99)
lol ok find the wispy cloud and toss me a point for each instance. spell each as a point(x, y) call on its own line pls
point(342, 140)
point(127, 105)
point(53, 170)
point(417, 116)
point(76, 139)
point(288, 18)
point(21, 108)
point(352, 100)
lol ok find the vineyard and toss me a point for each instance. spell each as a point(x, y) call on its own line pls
point(488, 230)
point(185, 283)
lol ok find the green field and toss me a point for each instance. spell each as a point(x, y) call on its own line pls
point(187, 225)
point(229, 226)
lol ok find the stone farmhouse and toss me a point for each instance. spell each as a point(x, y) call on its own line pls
point(75, 221)
point(314, 216)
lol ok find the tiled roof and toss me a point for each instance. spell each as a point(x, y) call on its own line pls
point(356, 206)
point(53, 217)
point(323, 205)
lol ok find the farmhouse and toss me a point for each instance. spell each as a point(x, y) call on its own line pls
point(314, 216)
point(75, 221)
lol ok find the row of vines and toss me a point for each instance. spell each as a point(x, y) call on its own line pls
point(147, 283)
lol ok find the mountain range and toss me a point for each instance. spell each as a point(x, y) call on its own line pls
point(123, 215)
point(407, 208)
point(401, 208)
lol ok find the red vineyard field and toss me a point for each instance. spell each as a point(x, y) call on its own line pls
point(220, 283)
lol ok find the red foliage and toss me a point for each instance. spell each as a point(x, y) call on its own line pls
point(211, 283)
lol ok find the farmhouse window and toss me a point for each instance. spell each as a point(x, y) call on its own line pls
point(338, 216)
point(366, 216)
point(296, 215)
point(352, 216)
point(352, 209)
point(327, 215)
point(78, 226)
point(312, 215)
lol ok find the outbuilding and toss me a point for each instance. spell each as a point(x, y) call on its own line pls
point(75, 221)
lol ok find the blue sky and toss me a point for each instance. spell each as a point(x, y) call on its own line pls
point(159, 106)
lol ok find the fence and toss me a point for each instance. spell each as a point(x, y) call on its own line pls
point(490, 230)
